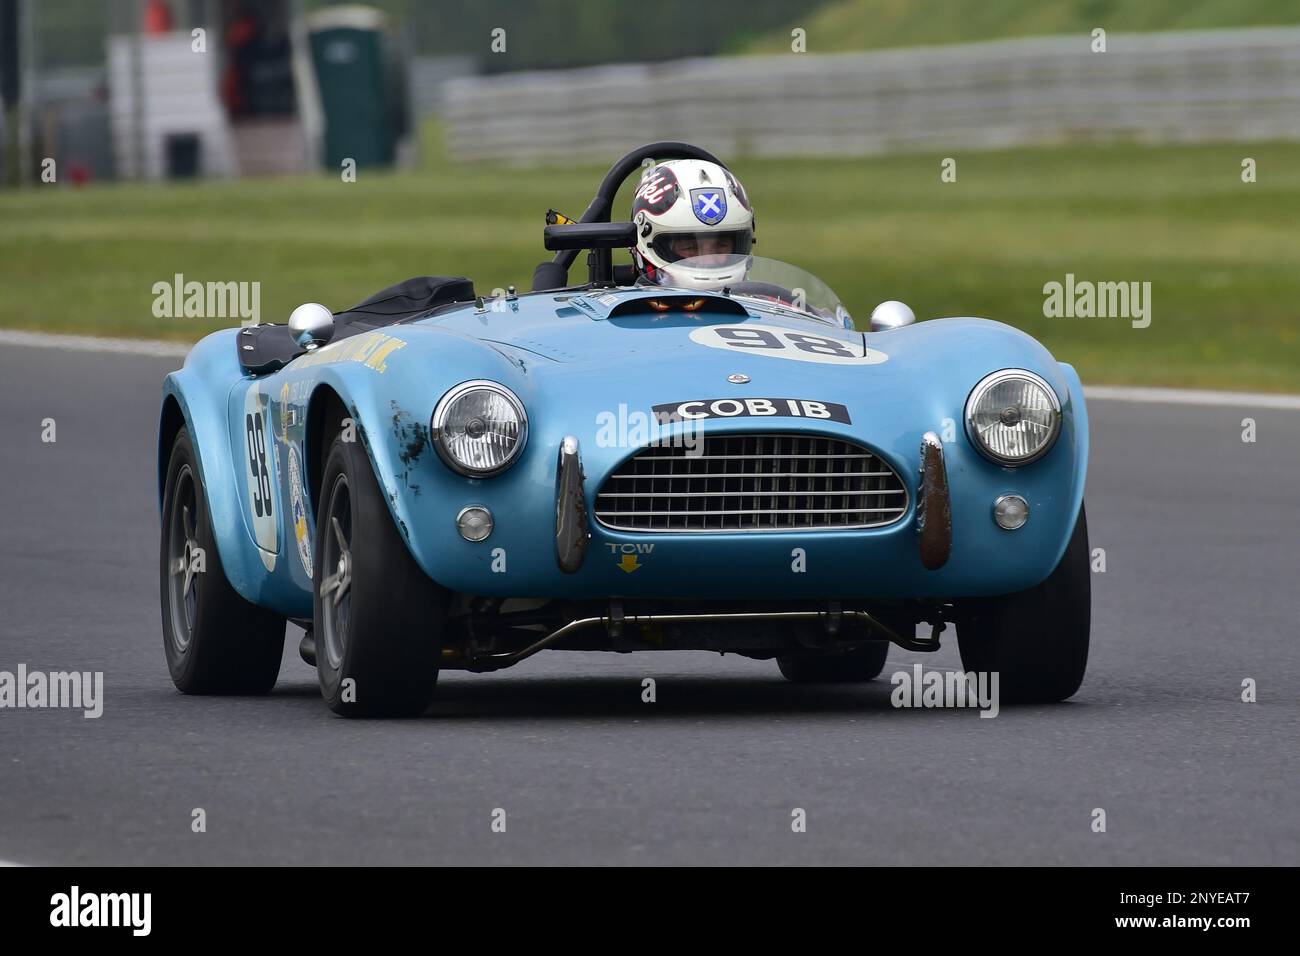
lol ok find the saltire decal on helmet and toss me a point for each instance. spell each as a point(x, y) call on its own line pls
point(709, 203)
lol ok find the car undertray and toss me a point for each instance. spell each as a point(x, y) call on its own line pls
point(489, 634)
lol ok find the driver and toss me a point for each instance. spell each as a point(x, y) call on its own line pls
point(694, 224)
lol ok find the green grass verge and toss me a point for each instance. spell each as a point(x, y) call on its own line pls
point(1220, 254)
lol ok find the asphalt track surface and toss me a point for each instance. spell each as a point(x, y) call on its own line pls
point(1200, 592)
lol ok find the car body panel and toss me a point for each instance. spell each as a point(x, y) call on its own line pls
point(580, 372)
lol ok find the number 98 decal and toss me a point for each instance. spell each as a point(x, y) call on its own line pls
point(259, 469)
point(786, 344)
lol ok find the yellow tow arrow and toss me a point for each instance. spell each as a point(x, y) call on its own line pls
point(629, 563)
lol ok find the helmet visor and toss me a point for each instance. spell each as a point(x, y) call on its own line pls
point(703, 246)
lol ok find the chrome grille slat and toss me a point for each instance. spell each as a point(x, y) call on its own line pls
point(733, 494)
point(752, 482)
point(760, 511)
point(769, 474)
point(743, 457)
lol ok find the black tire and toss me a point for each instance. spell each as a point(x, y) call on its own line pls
point(1036, 640)
point(863, 663)
point(215, 641)
point(384, 633)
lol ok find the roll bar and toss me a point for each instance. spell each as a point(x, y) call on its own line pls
point(555, 273)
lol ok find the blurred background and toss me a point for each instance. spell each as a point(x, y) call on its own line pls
point(954, 154)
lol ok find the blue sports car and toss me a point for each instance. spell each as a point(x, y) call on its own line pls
point(434, 480)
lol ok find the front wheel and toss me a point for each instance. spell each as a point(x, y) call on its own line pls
point(377, 616)
point(1035, 640)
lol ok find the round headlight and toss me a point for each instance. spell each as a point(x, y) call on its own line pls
point(479, 428)
point(1013, 417)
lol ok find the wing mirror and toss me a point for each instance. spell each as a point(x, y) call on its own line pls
point(590, 235)
point(891, 315)
point(311, 325)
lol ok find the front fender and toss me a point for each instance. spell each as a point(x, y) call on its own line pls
point(201, 389)
point(392, 408)
point(1075, 412)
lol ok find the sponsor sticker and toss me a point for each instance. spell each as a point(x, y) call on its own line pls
point(753, 408)
point(371, 349)
point(736, 189)
point(297, 502)
point(657, 191)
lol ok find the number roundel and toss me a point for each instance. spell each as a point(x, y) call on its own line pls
point(783, 343)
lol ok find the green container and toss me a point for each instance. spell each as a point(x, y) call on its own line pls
point(350, 54)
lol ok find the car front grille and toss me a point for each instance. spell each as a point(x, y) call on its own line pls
point(752, 483)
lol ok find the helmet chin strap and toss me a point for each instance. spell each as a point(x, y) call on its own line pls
point(644, 266)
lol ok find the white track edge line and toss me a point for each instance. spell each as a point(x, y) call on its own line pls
point(1191, 396)
point(92, 343)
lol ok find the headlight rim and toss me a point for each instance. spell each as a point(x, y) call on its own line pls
point(438, 420)
point(996, 378)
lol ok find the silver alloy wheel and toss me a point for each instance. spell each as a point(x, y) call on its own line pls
point(182, 549)
point(336, 588)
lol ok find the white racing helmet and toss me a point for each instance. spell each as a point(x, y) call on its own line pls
point(689, 209)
